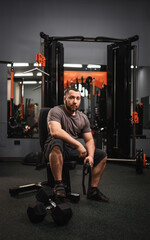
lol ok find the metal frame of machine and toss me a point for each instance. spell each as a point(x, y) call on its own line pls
point(117, 94)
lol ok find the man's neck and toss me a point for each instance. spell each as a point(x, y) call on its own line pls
point(71, 113)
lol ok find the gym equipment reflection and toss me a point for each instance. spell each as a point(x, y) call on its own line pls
point(24, 101)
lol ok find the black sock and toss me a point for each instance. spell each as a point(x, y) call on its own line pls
point(58, 181)
point(93, 188)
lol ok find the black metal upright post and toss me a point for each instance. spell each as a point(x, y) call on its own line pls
point(118, 100)
point(134, 100)
point(54, 84)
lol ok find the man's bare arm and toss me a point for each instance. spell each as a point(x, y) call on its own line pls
point(90, 147)
point(57, 132)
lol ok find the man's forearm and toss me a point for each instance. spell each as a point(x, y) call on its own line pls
point(90, 147)
point(63, 135)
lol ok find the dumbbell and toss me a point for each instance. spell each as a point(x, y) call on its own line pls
point(36, 212)
point(60, 210)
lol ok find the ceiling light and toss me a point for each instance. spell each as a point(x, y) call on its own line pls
point(132, 66)
point(39, 74)
point(19, 65)
point(72, 65)
point(93, 66)
point(37, 64)
point(28, 82)
point(23, 74)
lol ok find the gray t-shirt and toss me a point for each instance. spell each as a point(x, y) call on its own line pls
point(74, 125)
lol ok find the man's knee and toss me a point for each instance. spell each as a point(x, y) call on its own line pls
point(56, 150)
point(104, 160)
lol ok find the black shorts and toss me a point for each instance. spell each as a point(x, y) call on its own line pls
point(70, 153)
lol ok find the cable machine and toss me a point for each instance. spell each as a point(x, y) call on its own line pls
point(117, 92)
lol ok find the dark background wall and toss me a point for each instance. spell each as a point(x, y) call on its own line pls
point(22, 21)
point(21, 24)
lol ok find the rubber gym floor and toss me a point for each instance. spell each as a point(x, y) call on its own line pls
point(125, 217)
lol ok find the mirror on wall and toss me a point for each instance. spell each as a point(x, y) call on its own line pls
point(24, 100)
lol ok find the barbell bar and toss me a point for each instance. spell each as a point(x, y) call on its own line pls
point(140, 161)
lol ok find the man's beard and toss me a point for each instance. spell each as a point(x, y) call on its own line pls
point(70, 109)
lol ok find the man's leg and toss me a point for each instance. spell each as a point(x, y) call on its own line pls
point(56, 164)
point(100, 159)
point(97, 172)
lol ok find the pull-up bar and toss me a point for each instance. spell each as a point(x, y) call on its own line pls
point(85, 39)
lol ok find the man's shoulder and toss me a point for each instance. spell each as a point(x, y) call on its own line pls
point(57, 108)
point(55, 113)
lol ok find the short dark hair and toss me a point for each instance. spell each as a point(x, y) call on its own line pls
point(69, 89)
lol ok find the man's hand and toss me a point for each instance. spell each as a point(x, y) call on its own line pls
point(90, 160)
point(82, 151)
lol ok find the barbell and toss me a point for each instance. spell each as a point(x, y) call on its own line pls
point(139, 160)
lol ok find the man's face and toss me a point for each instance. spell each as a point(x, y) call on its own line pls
point(72, 101)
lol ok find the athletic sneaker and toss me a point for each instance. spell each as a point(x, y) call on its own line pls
point(95, 194)
point(59, 190)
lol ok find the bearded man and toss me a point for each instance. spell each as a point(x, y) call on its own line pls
point(66, 124)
